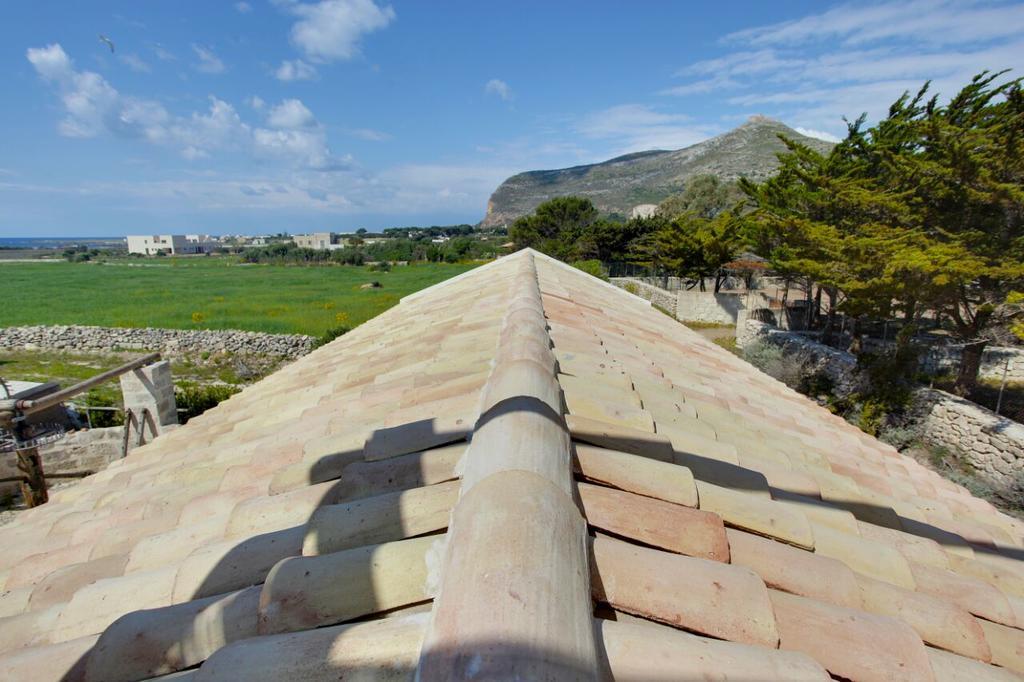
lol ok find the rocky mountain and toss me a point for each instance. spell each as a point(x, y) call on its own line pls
point(625, 182)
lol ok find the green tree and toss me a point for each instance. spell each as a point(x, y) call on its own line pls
point(922, 211)
point(967, 183)
point(703, 195)
point(555, 226)
point(610, 241)
point(696, 248)
point(823, 222)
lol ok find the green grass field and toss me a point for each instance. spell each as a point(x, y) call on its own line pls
point(206, 293)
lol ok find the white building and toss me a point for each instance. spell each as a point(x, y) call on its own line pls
point(170, 244)
point(319, 240)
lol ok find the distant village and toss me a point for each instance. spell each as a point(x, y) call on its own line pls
point(194, 244)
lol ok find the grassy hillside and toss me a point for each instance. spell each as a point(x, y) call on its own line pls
point(206, 293)
point(617, 185)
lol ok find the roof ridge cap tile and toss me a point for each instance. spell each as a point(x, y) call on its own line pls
point(508, 607)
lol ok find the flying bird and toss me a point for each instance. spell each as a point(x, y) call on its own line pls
point(108, 41)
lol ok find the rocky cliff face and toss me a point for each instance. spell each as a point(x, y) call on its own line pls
point(618, 185)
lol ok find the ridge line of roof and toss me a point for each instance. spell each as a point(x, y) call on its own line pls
point(526, 613)
point(608, 285)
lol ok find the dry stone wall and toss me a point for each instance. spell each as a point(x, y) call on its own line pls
point(170, 341)
point(990, 444)
point(946, 360)
point(687, 305)
point(707, 306)
point(656, 295)
point(816, 358)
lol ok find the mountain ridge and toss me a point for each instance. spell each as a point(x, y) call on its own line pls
point(648, 177)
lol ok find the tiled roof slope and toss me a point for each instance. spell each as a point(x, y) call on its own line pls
point(521, 473)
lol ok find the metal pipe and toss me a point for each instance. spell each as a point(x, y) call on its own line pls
point(30, 406)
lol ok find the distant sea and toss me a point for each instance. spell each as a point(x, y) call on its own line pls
point(58, 242)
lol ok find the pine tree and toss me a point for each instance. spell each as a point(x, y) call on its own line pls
point(921, 212)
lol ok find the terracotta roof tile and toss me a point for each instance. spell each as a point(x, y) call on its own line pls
point(948, 667)
point(794, 570)
point(849, 643)
point(671, 527)
point(648, 477)
point(727, 602)
point(1007, 645)
point(937, 621)
point(649, 652)
point(415, 498)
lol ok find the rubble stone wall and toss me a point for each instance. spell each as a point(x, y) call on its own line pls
point(817, 358)
point(946, 360)
point(990, 444)
point(656, 295)
point(687, 305)
point(171, 341)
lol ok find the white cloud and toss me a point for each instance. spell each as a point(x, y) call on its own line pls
point(818, 134)
point(243, 7)
point(700, 87)
point(635, 127)
point(51, 62)
point(939, 22)
point(331, 29)
point(309, 146)
point(162, 53)
point(852, 59)
point(209, 62)
point(194, 153)
point(135, 63)
point(291, 113)
point(255, 102)
point(498, 87)
point(431, 187)
point(87, 98)
point(295, 70)
point(370, 135)
point(92, 107)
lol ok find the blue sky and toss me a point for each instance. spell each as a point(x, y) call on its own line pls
point(287, 115)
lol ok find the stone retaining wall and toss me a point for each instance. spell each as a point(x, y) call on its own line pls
point(688, 305)
point(990, 444)
point(170, 341)
point(817, 358)
point(656, 295)
point(946, 360)
point(707, 306)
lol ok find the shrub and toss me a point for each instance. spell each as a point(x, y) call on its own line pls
point(195, 398)
point(632, 288)
point(591, 267)
point(816, 384)
point(663, 310)
point(727, 342)
point(774, 362)
point(332, 333)
point(872, 416)
point(900, 436)
point(103, 418)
